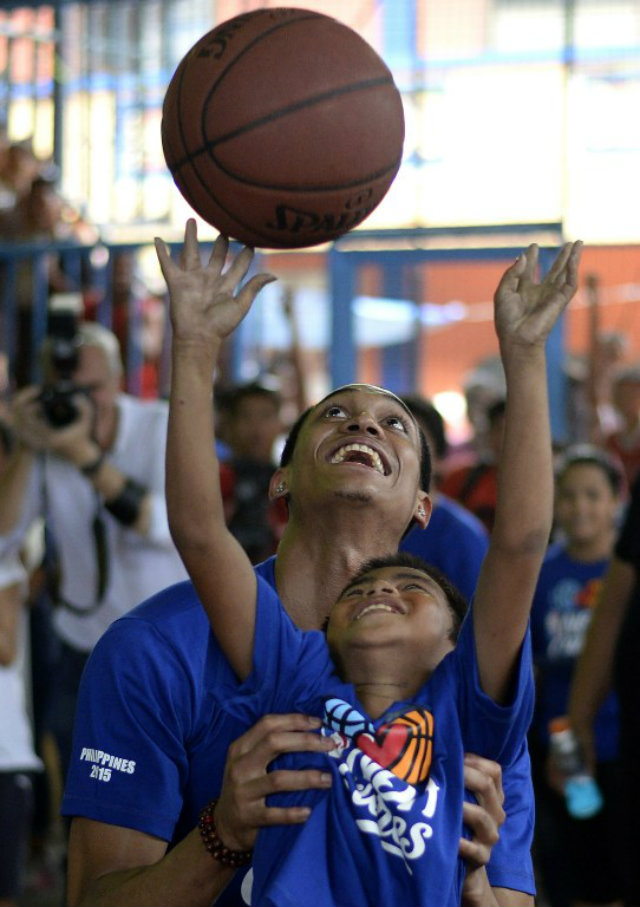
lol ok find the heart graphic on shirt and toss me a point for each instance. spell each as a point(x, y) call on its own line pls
point(404, 745)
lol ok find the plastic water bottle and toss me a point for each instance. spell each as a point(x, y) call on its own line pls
point(581, 790)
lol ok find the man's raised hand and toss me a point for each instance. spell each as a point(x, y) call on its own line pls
point(207, 302)
point(526, 310)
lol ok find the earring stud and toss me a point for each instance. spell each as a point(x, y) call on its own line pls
point(281, 488)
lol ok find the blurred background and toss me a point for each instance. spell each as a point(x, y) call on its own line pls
point(521, 125)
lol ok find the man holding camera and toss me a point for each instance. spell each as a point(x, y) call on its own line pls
point(90, 459)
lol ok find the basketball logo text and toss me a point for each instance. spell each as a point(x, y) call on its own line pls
point(219, 37)
point(296, 220)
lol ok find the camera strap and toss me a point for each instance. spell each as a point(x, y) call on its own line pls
point(100, 545)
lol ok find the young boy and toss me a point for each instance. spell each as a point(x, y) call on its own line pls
point(390, 648)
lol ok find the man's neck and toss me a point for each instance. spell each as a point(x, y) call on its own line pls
point(314, 565)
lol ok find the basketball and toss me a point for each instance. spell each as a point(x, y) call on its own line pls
point(282, 128)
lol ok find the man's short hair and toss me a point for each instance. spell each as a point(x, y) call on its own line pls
point(292, 437)
point(94, 334)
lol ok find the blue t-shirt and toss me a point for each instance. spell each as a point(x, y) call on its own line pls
point(387, 831)
point(455, 541)
point(151, 743)
point(563, 604)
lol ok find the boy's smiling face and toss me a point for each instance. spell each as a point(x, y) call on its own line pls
point(391, 607)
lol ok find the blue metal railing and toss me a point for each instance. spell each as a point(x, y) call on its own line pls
point(26, 289)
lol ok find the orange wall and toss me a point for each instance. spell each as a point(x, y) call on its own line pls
point(450, 352)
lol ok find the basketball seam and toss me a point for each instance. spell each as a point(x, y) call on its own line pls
point(300, 105)
point(189, 157)
point(183, 66)
point(245, 50)
point(276, 187)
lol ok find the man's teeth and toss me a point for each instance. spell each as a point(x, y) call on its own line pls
point(378, 607)
point(340, 455)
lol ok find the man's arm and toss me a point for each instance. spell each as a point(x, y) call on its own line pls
point(592, 675)
point(204, 311)
point(110, 865)
point(525, 313)
point(75, 444)
point(15, 477)
point(11, 597)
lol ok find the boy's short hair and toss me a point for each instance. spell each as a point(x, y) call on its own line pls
point(429, 417)
point(7, 438)
point(627, 374)
point(591, 455)
point(496, 411)
point(234, 396)
point(458, 604)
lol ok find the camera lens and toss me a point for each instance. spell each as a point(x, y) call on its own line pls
point(58, 405)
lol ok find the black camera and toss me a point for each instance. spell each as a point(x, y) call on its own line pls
point(62, 344)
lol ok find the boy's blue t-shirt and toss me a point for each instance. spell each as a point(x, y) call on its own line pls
point(151, 736)
point(388, 830)
point(563, 605)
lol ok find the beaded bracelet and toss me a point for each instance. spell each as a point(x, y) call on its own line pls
point(211, 840)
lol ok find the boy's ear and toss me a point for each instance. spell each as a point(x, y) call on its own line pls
point(423, 508)
point(278, 487)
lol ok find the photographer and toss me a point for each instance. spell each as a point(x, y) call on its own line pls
point(90, 459)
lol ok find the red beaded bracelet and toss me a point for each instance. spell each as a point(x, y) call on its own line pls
point(214, 845)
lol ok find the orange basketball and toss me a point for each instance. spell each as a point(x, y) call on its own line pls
point(282, 128)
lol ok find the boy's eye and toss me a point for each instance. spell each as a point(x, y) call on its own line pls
point(353, 592)
point(411, 586)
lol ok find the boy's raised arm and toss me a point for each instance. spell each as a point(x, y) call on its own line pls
point(525, 311)
point(205, 308)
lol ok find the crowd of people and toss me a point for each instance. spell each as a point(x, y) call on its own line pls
point(165, 567)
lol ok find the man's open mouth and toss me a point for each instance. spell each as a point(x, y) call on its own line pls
point(360, 453)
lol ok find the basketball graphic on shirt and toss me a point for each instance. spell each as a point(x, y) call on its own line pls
point(404, 745)
point(343, 718)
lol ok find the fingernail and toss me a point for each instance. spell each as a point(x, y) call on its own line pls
point(313, 721)
point(325, 779)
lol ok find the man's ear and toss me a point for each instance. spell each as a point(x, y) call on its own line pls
point(278, 487)
point(423, 508)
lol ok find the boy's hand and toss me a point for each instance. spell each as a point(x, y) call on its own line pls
point(525, 311)
point(204, 306)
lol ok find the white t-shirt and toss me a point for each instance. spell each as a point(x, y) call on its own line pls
point(136, 566)
point(16, 737)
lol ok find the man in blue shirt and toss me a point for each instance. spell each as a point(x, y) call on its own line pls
point(149, 749)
